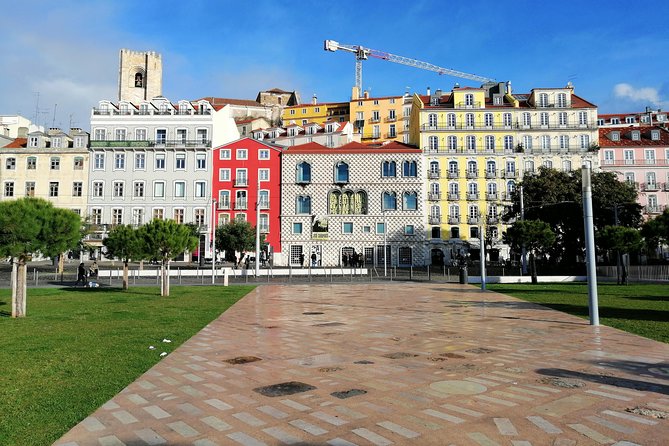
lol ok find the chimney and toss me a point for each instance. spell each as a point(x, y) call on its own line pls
point(438, 93)
point(508, 87)
point(366, 95)
point(428, 92)
point(314, 99)
point(355, 94)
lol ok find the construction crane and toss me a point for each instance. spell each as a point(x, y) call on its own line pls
point(362, 53)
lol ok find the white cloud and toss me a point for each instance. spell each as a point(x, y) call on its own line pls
point(643, 94)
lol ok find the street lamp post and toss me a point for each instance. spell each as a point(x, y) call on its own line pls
point(385, 245)
point(257, 263)
point(213, 241)
point(590, 245)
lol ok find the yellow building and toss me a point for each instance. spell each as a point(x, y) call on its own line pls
point(381, 119)
point(51, 165)
point(477, 145)
point(319, 113)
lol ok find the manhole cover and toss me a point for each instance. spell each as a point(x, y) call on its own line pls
point(399, 355)
point(451, 355)
point(567, 383)
point(329, 369)
point(348, 393)
point(283, 389)
point(364, 361)
point(329, 324)
point(242, 360)
point(312, 313)
point(480, 350)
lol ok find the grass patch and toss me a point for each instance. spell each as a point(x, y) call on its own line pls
point(641, 309)
point(77, 348)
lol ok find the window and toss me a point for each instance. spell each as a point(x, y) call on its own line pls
point(303, 204)
point(9, 189)
point(224, 199)
point(636, 136)
point(263, 174)
point(543, 100)
point(77, 189)
point(655, 135)
point(508, 142)
point(159, 189)
point(389, 201)
point(566, 165)
point(241, 201)
point(180, 161)
point(392, 115)
point(380, 228)
point(297, 228)
point(341, 172)
point(241, 178)
point(388, 169)
point(140, 135)
point(488, 119)
point(140, 161)
point(10, 164)
point(118, 189)
point(469, 120)
point(529, 166)
point(471, 143)
point(179, 189)
point(410, 169)
point(562, 100)
point(98, 189)
point(242, 154)
point(432, 120)
point(158, 213)
point(564, 141)
point(223, 174)
point(55, 163)
point(181, 136)
point(201, 161)
point(120, 135)
point(200, 189)
point(117, 216)
point(347, 228)
point(527, 142)
point(199, 216)
point(138, 189)
point(582, 118)
point(100, 134)
point(376, 131)
point(161, 136)
point(585, 141)
point(562, 119)
point(96, 216)
point(409, 201)
point(224, 154)
point(489, 143)
point(31, 163)
point(451, 120)
point(545, 142)
point(119, 161)
point(452, 142)
point(264, 199)
point(469, 99)
point(137, 217)
point(99, 161)
point(409, 230)
point(33, 141)
point(392, 132)
point(53, 189)
point(615, 121)
point(78, 163)
point(179, 215)
point(263, 154)
point(548, 164)
point(433, 142)
point(506, 119)
point(160, 161)
point(543, 119)
point(30, 188)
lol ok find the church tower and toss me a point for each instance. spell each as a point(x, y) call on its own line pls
point(140, 75)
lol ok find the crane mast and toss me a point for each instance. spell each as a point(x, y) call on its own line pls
point(362, 53)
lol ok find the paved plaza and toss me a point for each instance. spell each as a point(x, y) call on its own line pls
point(393, 363)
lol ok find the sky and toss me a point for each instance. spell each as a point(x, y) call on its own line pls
point(61, 57)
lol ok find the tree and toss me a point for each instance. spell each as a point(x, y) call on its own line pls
point(164, 240)
point(124, 243)
point(535, 235)
point(556, 197)
point(622, 240)
point(33, 226)
point(656, 231)
point(236, 236)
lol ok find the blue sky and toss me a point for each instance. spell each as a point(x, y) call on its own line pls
point(613, 52)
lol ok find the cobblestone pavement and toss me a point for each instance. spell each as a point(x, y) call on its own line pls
point(388, 364)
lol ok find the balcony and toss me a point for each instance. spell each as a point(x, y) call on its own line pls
point(468, 106)
point(665, 187)
point(391, 119)
point(474, 220)
point(263, 205)
point(491, 174)
point(453, 174)
point(241, 182)
point(223, 205)
point(434, 219)
point(472, 174)
point(453, 196)
point(472, 196)
point(434, 175)
point(241, 205)
point(491, 196)
point(150, 143)
point(442, 126)
point(434, 196)
point(493, 220)
point(509, 174)
point(374, 120)
point(657, 209)
point(650, 187)
point(454, 220)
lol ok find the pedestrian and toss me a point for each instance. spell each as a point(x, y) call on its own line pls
point(81, 274)
point(345, 259)
point(313, 259)
point(93, 270)
point(302, 260)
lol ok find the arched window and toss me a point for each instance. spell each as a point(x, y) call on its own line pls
point(409, 201)
point(453, 190)
point(469, 120)
point(490, 143)
point(561, 100)
point(566, 165)
point(492, 188)
point(453, 168)
point(347, 202)
point(472, 168)
point(434, 188)
point(303, 204)
point(471, 143)
point(543, 100)
point(491, 168)
point(433, 143)
point(341, 172)
point(510, 187)
point(435, 211)
point(472, 189)
point(139, 80)
point(434, 167)
point(454, 211)
point(410, 169)
point(389, 201)
point(432, 119)
point(508, 142)
point(303, 174)
point(452, 143)
point(388, 169)
point(450, 120)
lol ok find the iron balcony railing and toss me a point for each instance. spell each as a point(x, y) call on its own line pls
point(454, 220)
point(434, 196)
point(441, 126)
point(490, 173)
point(453, 196)
point(433, 175)
point(195, 143)
point(434, 219)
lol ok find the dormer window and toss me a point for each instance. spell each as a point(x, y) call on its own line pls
point(635, 136)
point(330, 128)
point(644, 119)
point(600, 122)
point(543, 100)
point(629, 120)
point(562, 100)
point(615, 136)
point(291, 131)
point(32, 141)
point(655, 135)
point(615, 121)
point(144, 109)
point(661, 118)
point(469, 100)
point(57, 142)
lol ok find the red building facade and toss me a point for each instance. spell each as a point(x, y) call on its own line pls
point(238, 168)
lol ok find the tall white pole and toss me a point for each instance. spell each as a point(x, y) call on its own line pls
point(257, 263)
point(213, 241)
point(385, 244)
point(590, 245)
point(483, 273)
point(523, 254)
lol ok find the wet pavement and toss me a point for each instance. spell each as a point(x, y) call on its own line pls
point(393, 363)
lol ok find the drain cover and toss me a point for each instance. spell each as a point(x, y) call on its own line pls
point(312, 313)
point(282, 389)
point(348, 393)
point(242, 360)
point(399, 355)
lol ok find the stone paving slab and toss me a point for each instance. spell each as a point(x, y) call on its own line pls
point(413, 363)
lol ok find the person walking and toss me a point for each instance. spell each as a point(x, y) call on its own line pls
point(81, 274)
point(302, 260)
point(313, 259)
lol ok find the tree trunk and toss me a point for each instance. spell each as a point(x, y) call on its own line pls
point(533, 268)
point(61, 263)
point(165, 278)
point(19, 271)
point(125, 275)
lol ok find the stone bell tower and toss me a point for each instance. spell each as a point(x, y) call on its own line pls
point(140, 75)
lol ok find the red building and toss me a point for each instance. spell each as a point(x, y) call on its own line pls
point(238, 168)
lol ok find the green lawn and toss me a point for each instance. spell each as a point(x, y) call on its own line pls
point(79, 347)
point(642, 309)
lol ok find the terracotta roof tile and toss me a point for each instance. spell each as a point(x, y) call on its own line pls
point(18, 143)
